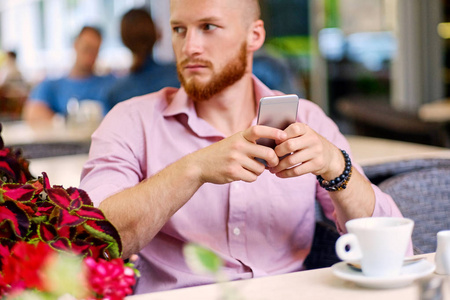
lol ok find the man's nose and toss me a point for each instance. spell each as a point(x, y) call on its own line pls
point(192, 43)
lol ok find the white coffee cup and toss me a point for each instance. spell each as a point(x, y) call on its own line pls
point(379, 244)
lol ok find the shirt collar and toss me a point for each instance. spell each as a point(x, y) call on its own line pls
point(182, 107)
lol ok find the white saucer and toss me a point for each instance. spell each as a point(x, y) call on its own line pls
point(407, 275)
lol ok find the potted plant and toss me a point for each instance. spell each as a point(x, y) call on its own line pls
point(53, 242)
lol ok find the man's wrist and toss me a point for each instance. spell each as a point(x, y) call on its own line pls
point(340, 182)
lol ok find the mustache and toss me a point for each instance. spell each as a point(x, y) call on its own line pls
point(188, 61)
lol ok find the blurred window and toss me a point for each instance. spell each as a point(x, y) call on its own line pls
point(42, 31)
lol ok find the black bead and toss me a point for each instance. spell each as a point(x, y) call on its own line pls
point(340, 182)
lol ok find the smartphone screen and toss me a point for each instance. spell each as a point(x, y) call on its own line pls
point(278, 112)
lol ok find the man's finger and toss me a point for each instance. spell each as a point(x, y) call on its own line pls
point(296, 129)
point(256, 132)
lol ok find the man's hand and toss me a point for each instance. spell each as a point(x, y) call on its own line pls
point(311, 153)
point(233, 158)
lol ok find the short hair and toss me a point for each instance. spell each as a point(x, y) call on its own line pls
point(94, 29)
point(138, 33)
point(12, 54)
point(255, 9)
point(251, 11)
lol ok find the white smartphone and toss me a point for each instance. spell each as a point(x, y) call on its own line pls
point(278, 112)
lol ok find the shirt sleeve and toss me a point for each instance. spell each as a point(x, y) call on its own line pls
point(115, 156)
point(315, 118)
point(43, 93)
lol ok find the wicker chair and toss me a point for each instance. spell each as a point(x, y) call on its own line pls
point(380, 172)
point(323, 253)
point(424, 196)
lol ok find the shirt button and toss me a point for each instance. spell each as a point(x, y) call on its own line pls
point(236, 231)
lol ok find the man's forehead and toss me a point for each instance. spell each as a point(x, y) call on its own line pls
point(89, 35)
point(204, 8)
point(231, 3)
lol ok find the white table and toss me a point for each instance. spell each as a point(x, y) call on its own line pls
point(314, 284)
point(372, 151)
point(61, 170)
point(19, 132)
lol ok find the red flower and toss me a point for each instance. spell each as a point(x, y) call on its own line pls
point(3, 285)
point(109, 279)
point(21, 270)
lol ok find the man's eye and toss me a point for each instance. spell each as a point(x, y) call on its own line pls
point(178, 30)
point(210, 27)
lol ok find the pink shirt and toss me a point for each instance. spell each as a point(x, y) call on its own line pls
point(261, 228)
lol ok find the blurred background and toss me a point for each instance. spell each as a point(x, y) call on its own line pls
point(377, 67)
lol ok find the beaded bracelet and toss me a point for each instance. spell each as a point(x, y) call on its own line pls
point(340, 182)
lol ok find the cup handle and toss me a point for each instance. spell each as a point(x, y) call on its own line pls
point(354, 253)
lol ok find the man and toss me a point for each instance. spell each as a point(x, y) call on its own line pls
point(139, 34)
point(52, 96)
point(179, 165)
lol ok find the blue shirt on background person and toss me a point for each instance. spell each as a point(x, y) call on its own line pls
point(151, 77)
point(56, 93)
point(50, 97)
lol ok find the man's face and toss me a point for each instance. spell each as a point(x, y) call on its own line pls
point(209, 40)
point(87, 46)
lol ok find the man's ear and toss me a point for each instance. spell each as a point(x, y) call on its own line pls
point(256, 36)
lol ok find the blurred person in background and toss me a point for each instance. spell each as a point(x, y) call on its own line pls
point(56, 96)
point(276, 73)
point(139, 34)
point(10, 73)
point(13, 88)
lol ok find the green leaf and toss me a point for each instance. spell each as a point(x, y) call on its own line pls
point(114, 245)
point(202, 260)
